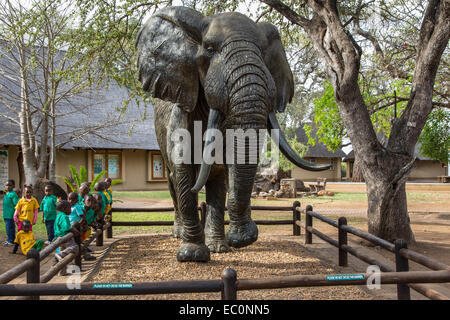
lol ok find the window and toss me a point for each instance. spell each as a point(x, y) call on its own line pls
point(157, 167)
point(109, 161)
point(312, 160)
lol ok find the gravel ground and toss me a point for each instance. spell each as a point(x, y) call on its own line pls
point(153, 258)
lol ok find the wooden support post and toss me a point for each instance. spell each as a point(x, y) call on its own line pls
point(99, 238)
point(33, 274)
point(342, 240)
point(308, 223)
point(296, 216)
point(109, 231)
point(78, 241)
point(401, 264)
point(229, 289)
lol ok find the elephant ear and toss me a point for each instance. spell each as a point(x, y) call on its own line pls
point(276, 62)
point(167, 45)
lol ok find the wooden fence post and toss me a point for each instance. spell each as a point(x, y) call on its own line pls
point(99, 237)
point(78, 241)
point(296, 216)
point(308, 223)
point(401, 264)
point(109, 231)
point(229, 291)
point(342, 240)
point(33, 274)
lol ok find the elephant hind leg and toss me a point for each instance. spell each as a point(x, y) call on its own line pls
point(178, 222)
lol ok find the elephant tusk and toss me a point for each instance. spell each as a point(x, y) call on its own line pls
point(205, 169)
point(286, 149)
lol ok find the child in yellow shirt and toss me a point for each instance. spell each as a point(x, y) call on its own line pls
point(25, 239)
point(26, 208)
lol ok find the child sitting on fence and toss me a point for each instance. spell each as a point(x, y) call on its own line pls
point(25, 239)
point(63, 227)
point(109, 191)
point(83, 191)
point(108, 201)
point(48, 206)
point(89, 206)
point(9, 203)
point(98, 210)
point(100, 188)
point(77, 213)
point(26, 208)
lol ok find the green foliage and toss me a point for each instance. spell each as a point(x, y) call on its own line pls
point(97, 178)
point(75, 179)
point(326, 114)
point(69, 182)
point(435, 137)
point(116, 181)
point(283, 163)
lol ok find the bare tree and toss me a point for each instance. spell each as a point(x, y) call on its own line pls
point(44, 79)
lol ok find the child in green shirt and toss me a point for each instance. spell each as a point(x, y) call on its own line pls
point(48, 206)
point(9, 203)
point(62, 227)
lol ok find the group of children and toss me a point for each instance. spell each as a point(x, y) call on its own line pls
point(60, 217)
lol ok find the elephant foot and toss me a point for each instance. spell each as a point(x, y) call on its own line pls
point(243, 235)
point(217, 246)
point(197, 252)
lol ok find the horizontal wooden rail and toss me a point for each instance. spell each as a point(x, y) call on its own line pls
point(55, 244)
point(165, 287)
point(409, 254)
point(325, 280)
point(424, 260)
point(322, 218)
point(170, 223)
point(160, 209)
point(15, 271)
point(168, 209)
point(46, 277)
point(370, 237)
point(190, 286)
point(322, 236)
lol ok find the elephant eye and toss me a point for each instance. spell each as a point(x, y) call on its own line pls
point(210, 50)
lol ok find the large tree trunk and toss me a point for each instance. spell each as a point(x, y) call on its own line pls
point(385, 169)
point(388, 211)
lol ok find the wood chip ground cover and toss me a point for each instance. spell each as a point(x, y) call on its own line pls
point(153, 258)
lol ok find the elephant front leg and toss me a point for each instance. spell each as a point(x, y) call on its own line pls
point(215, 211)
point(242, 230)
point(193, 247)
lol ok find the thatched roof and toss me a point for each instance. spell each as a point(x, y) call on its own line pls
point(92, 119)
point(319, 150)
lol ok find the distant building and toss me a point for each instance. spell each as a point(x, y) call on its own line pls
point(318, 154)
point(126, 148)
point(426, 169)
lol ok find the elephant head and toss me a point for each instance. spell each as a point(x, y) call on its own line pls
point(237, 66)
